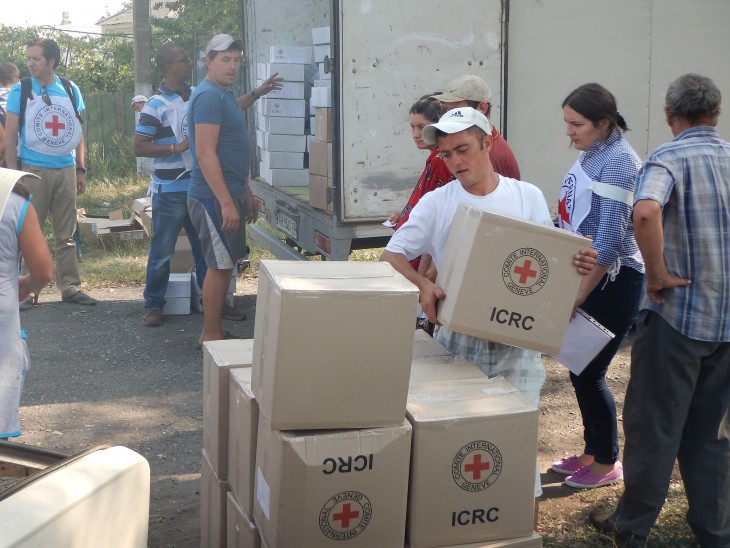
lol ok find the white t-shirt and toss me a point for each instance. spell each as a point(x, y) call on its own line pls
point(429, 224)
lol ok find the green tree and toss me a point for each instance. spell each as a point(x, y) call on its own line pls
point(193, 18)
point(94, 63)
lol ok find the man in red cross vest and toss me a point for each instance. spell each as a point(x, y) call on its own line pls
point(47, 123)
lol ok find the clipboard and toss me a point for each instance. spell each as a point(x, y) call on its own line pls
point(583, 340)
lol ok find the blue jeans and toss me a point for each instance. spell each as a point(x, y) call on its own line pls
point(169, 215)
point(615, 306)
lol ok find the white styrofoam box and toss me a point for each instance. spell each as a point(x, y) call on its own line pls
point(282, 125)
point(290, 72)
point(312, 110)
point(312, 126)
point(321, 97)
point(321, 35)
point(301, 55)
point(284, 177)
point(321, 74)
point(176, 306)
point(178, 285)
point(323, 83)
point(284, 143)
point(288, 160)
point(261, 71)
point(322, 51)
point(283, 107)
point(289, 90)
point(260, 139)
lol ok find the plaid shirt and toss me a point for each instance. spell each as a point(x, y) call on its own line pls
point(611, 161)
point(690, 178)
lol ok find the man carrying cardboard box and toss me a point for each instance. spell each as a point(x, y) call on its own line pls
point(464, 137)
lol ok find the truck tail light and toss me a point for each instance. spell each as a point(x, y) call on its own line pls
point(322, 242)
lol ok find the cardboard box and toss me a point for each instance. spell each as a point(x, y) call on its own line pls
point(300, 55)
point(286, 160)
point(182, 260)
point(318, 192)
point(320, 158)
point(321, 35)
point(218, 358)
point(532, 541)
point(321, 488)
point(473, 462)
point(323, 124)
point(315, 361)
point(243, 420)
point(213, 496)
point(289, 90)
point(436, 368)
point(321, 97)
point(425, 345)
point(242, 533)
point(508, 280)
point(283, 177)
point(282, 107)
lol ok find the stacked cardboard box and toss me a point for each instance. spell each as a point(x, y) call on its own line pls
point(197, 292)
point(320, 161)
point(226, 396)
point(177, 295)
point(281, 115)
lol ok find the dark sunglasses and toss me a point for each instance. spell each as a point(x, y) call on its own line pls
point(45, 97)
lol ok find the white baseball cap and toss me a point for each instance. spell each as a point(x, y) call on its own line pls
point(223, 42)
point(454, 121)
point(139, 99)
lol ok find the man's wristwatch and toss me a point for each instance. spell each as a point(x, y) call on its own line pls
point(253, 93)
point(80, 169)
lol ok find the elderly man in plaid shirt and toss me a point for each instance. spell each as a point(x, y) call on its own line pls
point(678, 400)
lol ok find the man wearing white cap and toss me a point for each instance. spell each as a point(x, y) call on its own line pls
point(138, 101)
point(471, 91)
point(464, 137)
point(220, 201)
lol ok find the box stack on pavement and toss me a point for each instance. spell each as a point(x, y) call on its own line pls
point(226, 394)
point(309, 446)
point(281, 116)
point(333, 445)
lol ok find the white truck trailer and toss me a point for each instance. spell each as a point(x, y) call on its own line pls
point(532, 53)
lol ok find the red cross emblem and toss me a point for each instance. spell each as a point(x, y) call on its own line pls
point(345, 515)
point(525, 272)
point(476, 467)
point(55, 126)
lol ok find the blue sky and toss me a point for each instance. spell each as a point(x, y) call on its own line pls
point(49, 12)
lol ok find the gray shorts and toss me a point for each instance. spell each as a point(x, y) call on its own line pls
point(221, 250)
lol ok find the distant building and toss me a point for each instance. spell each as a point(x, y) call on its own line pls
point(122, 23)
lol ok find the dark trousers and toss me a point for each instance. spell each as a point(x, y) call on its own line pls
point(677, 406)
point(615, 307)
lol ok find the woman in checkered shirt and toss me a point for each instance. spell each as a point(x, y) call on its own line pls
point(596, 199)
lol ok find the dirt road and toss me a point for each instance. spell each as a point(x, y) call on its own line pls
point(99, 376)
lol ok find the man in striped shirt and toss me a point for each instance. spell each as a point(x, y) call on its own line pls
point(678, 400)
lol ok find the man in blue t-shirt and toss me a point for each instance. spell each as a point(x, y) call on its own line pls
point(219, 196)
point(162, 134)
point(52, 147)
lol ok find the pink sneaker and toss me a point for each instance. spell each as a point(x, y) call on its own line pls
point(586, 479)
point(567, 466)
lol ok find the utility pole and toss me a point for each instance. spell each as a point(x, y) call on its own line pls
point(142, 59)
